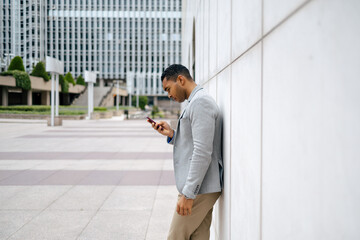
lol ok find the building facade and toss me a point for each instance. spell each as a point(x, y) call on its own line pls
point(23, 32)
point(285, 75)
point(113, 37)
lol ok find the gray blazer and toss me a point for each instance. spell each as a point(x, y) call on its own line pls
point(197, 144)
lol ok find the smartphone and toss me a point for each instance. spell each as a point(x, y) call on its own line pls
point(152, 121)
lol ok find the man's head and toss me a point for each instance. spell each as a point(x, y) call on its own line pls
point(177, 82)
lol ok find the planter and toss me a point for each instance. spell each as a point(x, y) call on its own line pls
point(23, 116)
point(57, 121)
point(118, 113)
point(95, 116)
point(106, 114)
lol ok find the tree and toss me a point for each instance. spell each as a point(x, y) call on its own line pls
point(64, 84)
point(17, 70)
point(69, 78)
point(143, 100)
point(39, 71)
point(22, 79)
point(16, 64)
point(80, 80)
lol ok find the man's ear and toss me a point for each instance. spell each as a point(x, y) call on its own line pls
point(181, 80)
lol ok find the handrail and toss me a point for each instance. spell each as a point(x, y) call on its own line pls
point(105, 96)
point(81, 93)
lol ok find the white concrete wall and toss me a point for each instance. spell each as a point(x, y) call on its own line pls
point(286, 75)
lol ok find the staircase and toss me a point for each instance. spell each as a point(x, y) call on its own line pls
point(104, 96)
point(100, 93)
point(81, 100)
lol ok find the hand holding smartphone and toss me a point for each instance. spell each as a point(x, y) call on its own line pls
point(165, 129)
point(152, 121)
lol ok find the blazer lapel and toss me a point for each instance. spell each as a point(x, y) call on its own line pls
point(182, 114)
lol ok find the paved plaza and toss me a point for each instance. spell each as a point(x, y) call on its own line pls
point(99, 179)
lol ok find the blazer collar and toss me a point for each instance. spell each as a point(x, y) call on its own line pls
point(192, 94)
point(194, 91)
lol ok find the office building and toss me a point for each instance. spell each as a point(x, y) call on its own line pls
point(112, 37)
point(23, 32)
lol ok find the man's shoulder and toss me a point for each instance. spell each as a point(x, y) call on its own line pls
point(202, 97)
point(203, 102)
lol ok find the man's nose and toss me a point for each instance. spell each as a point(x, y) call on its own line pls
point(169, 95)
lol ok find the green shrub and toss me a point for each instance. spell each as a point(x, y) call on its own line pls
point(72, 112)
point(69, 78)
point(154, 111)
point(80, 80)
point(26, 108)
point(100, 109)
point(64, 84)
point(42, 110)
point(22, 112)
point(7, 73)
point(160, 115)
point(143, 100)
point(39, 71)
point(22, 78)
point(16, 64)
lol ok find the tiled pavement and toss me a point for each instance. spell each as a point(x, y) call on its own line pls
point(103, 179)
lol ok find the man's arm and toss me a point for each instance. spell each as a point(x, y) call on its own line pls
point(164, 128)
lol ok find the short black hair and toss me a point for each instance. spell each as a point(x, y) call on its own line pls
point(173, 71)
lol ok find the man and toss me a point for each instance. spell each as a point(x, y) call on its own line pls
point(197, 154)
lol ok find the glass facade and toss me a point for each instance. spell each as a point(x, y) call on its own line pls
point(23, 28)
point(114, 37)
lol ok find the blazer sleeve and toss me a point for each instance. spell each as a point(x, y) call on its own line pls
point(203, 115)
point(171, 140)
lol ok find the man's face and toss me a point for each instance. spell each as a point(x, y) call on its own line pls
point(174, 90)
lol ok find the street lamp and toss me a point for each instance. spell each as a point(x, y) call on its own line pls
point(55, 67)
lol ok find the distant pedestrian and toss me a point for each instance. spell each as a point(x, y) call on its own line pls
point(197, 159)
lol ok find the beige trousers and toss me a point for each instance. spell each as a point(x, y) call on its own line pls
point(197, 225)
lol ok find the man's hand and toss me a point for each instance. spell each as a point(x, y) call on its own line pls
point(163, 128)
point(184, 206)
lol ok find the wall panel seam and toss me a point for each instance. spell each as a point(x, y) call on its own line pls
point(230, 197)
point(261, 121)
